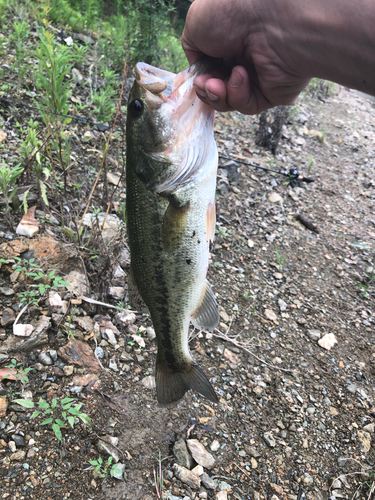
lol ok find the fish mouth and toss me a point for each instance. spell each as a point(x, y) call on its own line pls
point(187, 121)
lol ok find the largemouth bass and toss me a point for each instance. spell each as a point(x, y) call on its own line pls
point(171, 171)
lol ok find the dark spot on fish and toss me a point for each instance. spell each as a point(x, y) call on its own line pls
point(199, 241)
point(193, 234)
point(188, 261)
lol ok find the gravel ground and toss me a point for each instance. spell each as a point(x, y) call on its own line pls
point(292, 360)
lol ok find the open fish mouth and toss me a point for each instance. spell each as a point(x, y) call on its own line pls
point(186, 121)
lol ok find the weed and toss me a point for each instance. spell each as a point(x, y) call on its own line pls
point(159, 478)
point(104, 102)
point(246, 294)
point(60, 413)
point(8, 179)
point(46, 283)
point(363, 289)
point(17, 369)
point(280, 260)
point(20, 33)
point(103, 467)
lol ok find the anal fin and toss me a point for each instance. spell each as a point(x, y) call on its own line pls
point(206, 316)
point(172, 385)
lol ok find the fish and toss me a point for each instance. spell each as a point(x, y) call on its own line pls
point(171, 169)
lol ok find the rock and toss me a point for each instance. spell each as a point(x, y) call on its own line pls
point(149, 382)
point(233, 359)
point(253, 463)
point(352, 388)
point(3, 406)
point(224, 316)
point(121, 468)
point(208, 482)
point(83, 380)
point(3, 136)
point(18, 456)
point(314, 334)
point(369, 428)
point(274, 198)
point(29, 225)
point(68, 370)
point(126, 318)
point(307, 480)
point(124, 258)
point(269, 439)
point(119, 272)
point(77, 76)
point(8, 317)
point(186, 476)
point(252, 451)
point(198, 470)
point(221, 495)
point(86, 323)
point(215, 445)
point(269, 314)
point(200, 454)
point(110, 336)
point(19, 440)
point(181, 454)
point(22, 330)
point(5, 290)
point(113, 365)
point(45, 359)
point(79, 353)
point(150, 332)
point(277, 488)
point(283, 305)
point(328, 341)
point(116, 292)
point(278, 276)
point(223, 486)
point(113, 178)
point(77, 283)
point(365, 440)
point(12, 446)
point(111, 225)
point(57, 304)
point(108, 446)
point(100, 352)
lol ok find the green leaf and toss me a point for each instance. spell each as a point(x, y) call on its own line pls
point(43, 192)
point(93, 462)
point(71, 421)
point(54, 403)
point(25, 403)
point(85, 418)
point(57, 431)
point(36, 413)
point(61, 423)
point(47, 421)
point(67, 400)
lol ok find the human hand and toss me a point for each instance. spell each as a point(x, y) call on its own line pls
point(252, 73)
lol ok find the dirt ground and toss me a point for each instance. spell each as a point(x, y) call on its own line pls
point(295, 420)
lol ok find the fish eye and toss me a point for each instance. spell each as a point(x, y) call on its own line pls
point(136, 108)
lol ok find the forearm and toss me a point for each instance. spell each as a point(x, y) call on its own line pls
point(330, 39)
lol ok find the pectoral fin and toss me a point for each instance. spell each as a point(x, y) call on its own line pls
point(206, 316)
point(173, 226)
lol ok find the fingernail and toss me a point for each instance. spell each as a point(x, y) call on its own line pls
point(235, 79)
point(212, 96)
point(199, 91)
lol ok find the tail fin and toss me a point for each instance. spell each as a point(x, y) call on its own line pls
point(172, 385)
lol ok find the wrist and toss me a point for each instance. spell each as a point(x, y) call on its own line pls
point(325, 39)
